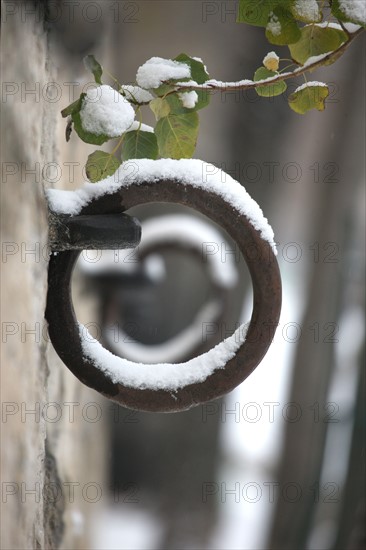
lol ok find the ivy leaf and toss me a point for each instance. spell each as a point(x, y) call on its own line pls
point(68, 130)
point(75, 106)
point(316, 40)
point(256, 12)
point(85, 136)
point(273, 89)
point(91, 64)
point(176, 105)
point(140, 145)
point(165, 89)
point(200, 75)
point(100, 165)
point(309, 96)
point(350, 12)
point(198, 70)
point(282, 28)
point(306, 12)
point(177, 135)
point(160, 107)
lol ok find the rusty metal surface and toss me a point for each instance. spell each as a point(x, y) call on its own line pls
point(263, 268)
point(97, 232)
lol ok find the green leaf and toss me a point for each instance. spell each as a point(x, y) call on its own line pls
point(164, 89)
point(140, 145)
point(256, 12)
point(176, 104)
point(277, 88)
point(85, 136)
point(100, 165)
point(316, 40)
point(350, 12)
point(92, 65)
point(282, 28)
point(75, 106)
point(305, 12)
point(177, 135)
point(160, 107)
point(198, 70)
point(309, 97)
point(199, 75)
point(68, 130)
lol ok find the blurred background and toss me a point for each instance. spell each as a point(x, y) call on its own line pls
point(280, 462)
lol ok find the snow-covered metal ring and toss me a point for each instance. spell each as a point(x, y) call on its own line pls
point(168, 387)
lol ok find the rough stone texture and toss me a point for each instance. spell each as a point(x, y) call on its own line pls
point(43, 451)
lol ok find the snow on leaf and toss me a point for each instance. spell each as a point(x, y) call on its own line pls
point(310, 95)
point(104, 114)
point(350, 11)
point(157, 70)
point(282, 28)
point(271, 61)
point(316, 40)
point(306, 10)
point(199, 75)
point(256, 12)
point(135, 94)
point(274, 89)
point(189, 99)
point(198, 71)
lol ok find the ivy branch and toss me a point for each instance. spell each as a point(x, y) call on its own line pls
point(175, 90)
point(317, 62)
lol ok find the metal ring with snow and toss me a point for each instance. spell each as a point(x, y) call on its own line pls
point(168, 387)
point(188, 234)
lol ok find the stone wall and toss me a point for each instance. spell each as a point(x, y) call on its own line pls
point(50, 462)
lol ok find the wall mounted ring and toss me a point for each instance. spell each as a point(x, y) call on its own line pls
point(89, 361)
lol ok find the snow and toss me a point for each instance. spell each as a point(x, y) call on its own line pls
point(309, 85)
point(351, 27)
point(199, 59)
point(274, 26)
point(189, 99)
point(173, 349)
point(157, 70)
point(197, 234)
point(271, 61)
point(354, 9)
point(307, 9)
point(135, 93)
point(194, 172)
point(136, 125)
point(113, 261)
point(312, 60)
point(271, 55)
point(155, 268)
point(328, 25)
point(189, 83)
point(105, 111)
point(184, 230)
point(166, 376)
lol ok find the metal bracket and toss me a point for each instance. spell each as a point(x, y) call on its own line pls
point(98, 232)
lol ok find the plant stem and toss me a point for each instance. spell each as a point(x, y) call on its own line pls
point(285, 76)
